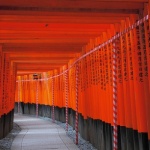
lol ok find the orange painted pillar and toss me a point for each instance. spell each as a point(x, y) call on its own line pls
point(120, 94)
point(48, 88)
point(13, 84)
point(93, 92)
point(6, 82)
point(53, 100)
point(147, 66)
point(145, 56)
point(19, 92)
point(37, 98)
point(106, 78)
point(1, 81)
point(87, 89)
point(138, 81)
point(110, 74)
point(132, 71)
point(85, 86)
point(101, 92)
point(125, 75)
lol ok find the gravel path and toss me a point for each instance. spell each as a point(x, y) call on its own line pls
point(82, 144)
point(5, 144)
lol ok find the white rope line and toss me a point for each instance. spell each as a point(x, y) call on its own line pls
point(66, 98)
point(115, 117)
point(77, 96)
point(98, 47)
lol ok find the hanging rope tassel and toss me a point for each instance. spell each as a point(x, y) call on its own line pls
point(115, 130)
point(76, 121)
point(37, 97)
point(66, 98)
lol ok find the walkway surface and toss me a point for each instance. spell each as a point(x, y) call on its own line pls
point(39, 134)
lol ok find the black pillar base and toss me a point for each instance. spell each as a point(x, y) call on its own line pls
point(6, 123)
point(1, 126)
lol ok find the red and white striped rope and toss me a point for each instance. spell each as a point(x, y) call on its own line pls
point(76, 117)
point(37, 97)
point(53, 109)
point(98, 47)
point(66, 98)
point(115, 131)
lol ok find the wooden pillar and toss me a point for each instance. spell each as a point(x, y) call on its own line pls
point(6, 82)
point(1, 81)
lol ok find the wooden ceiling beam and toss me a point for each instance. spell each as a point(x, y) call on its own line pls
point(90, 12)
point(36, 70)
point(5, 33)
point(51, 15)
point(39, 57)
point(41, 60)
point(65, 5)
point(47, 36)
point(38, 46)
point(38, 67)
point(20, 73)
point(60, 21)
point(62, 49)
point(60, 29)
point(26, 65)
point(53, 53)
point(46, 41)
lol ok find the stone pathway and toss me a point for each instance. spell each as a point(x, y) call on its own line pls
point(40, 134)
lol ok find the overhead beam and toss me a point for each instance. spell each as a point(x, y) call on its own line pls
point(74, 36)
point(30, 72)
point(36, 61)
point(67, 5)
point(60, 19)
point(51, 15)
point(45, 41)
point(48, 13)
point(61, 49)
point(45, 27)
point(42, 57)
point(38, 67)
point(51, 51)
